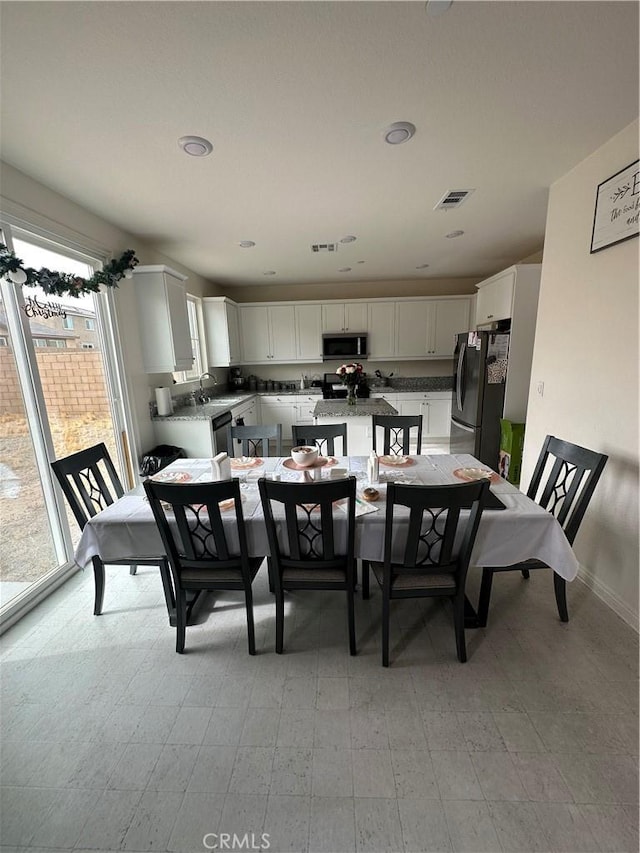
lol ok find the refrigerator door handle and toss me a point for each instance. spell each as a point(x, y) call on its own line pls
point(465, 428)
point(459, 389)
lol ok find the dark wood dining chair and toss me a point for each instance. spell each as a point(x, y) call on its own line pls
point(572, 475)
point(312, 548)
point(322, 436)
point(254, 440)
point(90, 483)
point(423, 558)
point(201, 553)
point(396, 435)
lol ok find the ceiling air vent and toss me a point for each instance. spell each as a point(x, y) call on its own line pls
point(453, 199)
point(324, 247)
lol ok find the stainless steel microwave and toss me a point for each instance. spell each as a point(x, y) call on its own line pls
point(344, 346)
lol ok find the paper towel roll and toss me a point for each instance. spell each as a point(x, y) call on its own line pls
point(164, 401)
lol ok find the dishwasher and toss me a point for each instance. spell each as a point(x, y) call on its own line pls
point(219, 426)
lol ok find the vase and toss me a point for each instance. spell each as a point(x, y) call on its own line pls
point(351, 395)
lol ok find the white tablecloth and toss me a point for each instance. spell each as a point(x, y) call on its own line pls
point(126, 530)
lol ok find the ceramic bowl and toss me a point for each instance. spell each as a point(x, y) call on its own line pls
point(304, 455)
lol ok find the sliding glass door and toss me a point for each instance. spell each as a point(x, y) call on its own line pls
point(59, 395)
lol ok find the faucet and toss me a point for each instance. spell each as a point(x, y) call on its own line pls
point(202, 397)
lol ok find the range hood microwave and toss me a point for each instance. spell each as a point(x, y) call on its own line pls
point(339, 346)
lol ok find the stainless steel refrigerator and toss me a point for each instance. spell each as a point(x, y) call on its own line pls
point(479, 379)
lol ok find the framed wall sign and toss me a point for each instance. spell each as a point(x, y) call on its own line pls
point(617, 208)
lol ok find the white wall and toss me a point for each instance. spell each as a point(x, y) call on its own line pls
point(586, 353)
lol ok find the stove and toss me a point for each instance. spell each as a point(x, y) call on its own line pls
point(333, 389)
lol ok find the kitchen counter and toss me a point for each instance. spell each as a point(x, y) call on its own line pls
point(362, 408)
point(226, 402)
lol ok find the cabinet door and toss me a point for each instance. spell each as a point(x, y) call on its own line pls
point(304, 409)
point(437, 420)
point(283, 333)
point(216, 328)
point(451, 317)
point(179, 323)
point(333, 317)
point(495, 298)
point(254, 331)
point(279, 412)
point(355, 317)
point(163, 322)
point(414, 329)
point(308, 332)
point(381, 328)
point(233, 328)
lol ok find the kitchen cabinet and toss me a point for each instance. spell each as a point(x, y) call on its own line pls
point(381, 329)
point(163, 322)
point(513, 294)
point(427, 329)
point(509, 292)
point(308, 325)
point(268, 333)
point(288, 410)
point(434, 406)
point(222, 333)
point(344, 317)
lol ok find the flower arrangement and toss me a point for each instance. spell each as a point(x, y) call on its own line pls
point(351, 376)
point(57, 283)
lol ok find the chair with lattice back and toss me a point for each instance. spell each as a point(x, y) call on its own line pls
point(203, 551)
point(573, 473)
point(311, 541)
point(396, 436)
point(90, 483)
point(323, 437)
point(427, 548)
point(254, 440)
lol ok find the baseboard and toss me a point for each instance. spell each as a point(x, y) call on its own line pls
point(610, 598)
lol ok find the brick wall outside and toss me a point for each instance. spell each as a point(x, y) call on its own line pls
point(72, 381)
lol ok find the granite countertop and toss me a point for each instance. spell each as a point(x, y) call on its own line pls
point(362, 408)
point(227, 402)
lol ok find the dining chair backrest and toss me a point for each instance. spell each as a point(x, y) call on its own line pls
point(189, 519)
point(438, 539)
point(310, 537)
point(254, 440)
point(572, 475)
point(89, 481)
point(322, 436)
point(396, 437)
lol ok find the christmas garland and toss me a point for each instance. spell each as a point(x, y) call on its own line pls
point(58, 283)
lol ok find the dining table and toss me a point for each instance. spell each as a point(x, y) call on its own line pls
point(513, 528)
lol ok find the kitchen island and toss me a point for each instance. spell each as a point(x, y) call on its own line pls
point(357, 418)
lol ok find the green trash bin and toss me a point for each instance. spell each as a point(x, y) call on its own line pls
point(511, 444)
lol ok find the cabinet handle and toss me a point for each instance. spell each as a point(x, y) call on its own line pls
point(489, 316)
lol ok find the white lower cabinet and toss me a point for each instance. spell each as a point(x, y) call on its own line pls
point(434, 406)
point(288, 410)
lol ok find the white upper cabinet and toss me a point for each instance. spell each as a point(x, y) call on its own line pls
point(450, 317)
point(381, 329)
point(414, 321)
point(268, 333)
point(495, 297)
point(221, 331)
point(163, 321)
point(308, 321)
point(344, 317)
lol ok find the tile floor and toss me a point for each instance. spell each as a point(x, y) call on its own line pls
point(111, 741)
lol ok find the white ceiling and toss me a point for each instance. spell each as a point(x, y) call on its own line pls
point(506, 98)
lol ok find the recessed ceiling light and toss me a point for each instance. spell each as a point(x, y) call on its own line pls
point(269, 272)
point(196, 146)
point(437, 7)
point(349, 239)
point(455, 234)
point(422, 266)
point(344, 269)
point(399, 132)
point(246, 244)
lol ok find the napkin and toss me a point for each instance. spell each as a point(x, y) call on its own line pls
point(221, 467)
